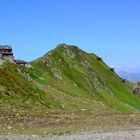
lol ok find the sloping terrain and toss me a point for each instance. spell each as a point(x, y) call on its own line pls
point(67, 79)
point(65, 91)
point(77, 75)
point(19, 92)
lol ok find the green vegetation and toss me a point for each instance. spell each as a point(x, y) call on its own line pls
point(67, 79)
point(85, 76)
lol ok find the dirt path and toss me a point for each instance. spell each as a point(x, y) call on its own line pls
point(125, 135)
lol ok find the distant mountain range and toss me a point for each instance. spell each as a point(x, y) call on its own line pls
point(129, 76)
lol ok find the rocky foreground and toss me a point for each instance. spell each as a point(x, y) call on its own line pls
point(124, 135)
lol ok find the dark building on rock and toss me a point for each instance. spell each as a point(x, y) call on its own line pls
point(6, 53)
point(21, 62)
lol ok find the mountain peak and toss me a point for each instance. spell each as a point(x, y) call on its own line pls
point(67, 78)
point(66, 47)
point(64, 50)
point(80, 74)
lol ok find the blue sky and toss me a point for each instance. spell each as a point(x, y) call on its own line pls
point(109, 28)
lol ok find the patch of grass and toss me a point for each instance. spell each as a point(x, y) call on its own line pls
point(68, 123)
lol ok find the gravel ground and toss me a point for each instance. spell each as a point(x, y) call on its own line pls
point(125, 135)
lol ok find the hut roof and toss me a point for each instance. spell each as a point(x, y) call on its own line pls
point(5, 47)
point(20, 62)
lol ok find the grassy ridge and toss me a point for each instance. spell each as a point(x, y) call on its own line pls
point(84, 75)
point(65, 79)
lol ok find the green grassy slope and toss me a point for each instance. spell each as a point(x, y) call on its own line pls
point(66, 79)
point(85, 76)
point(18, 91)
